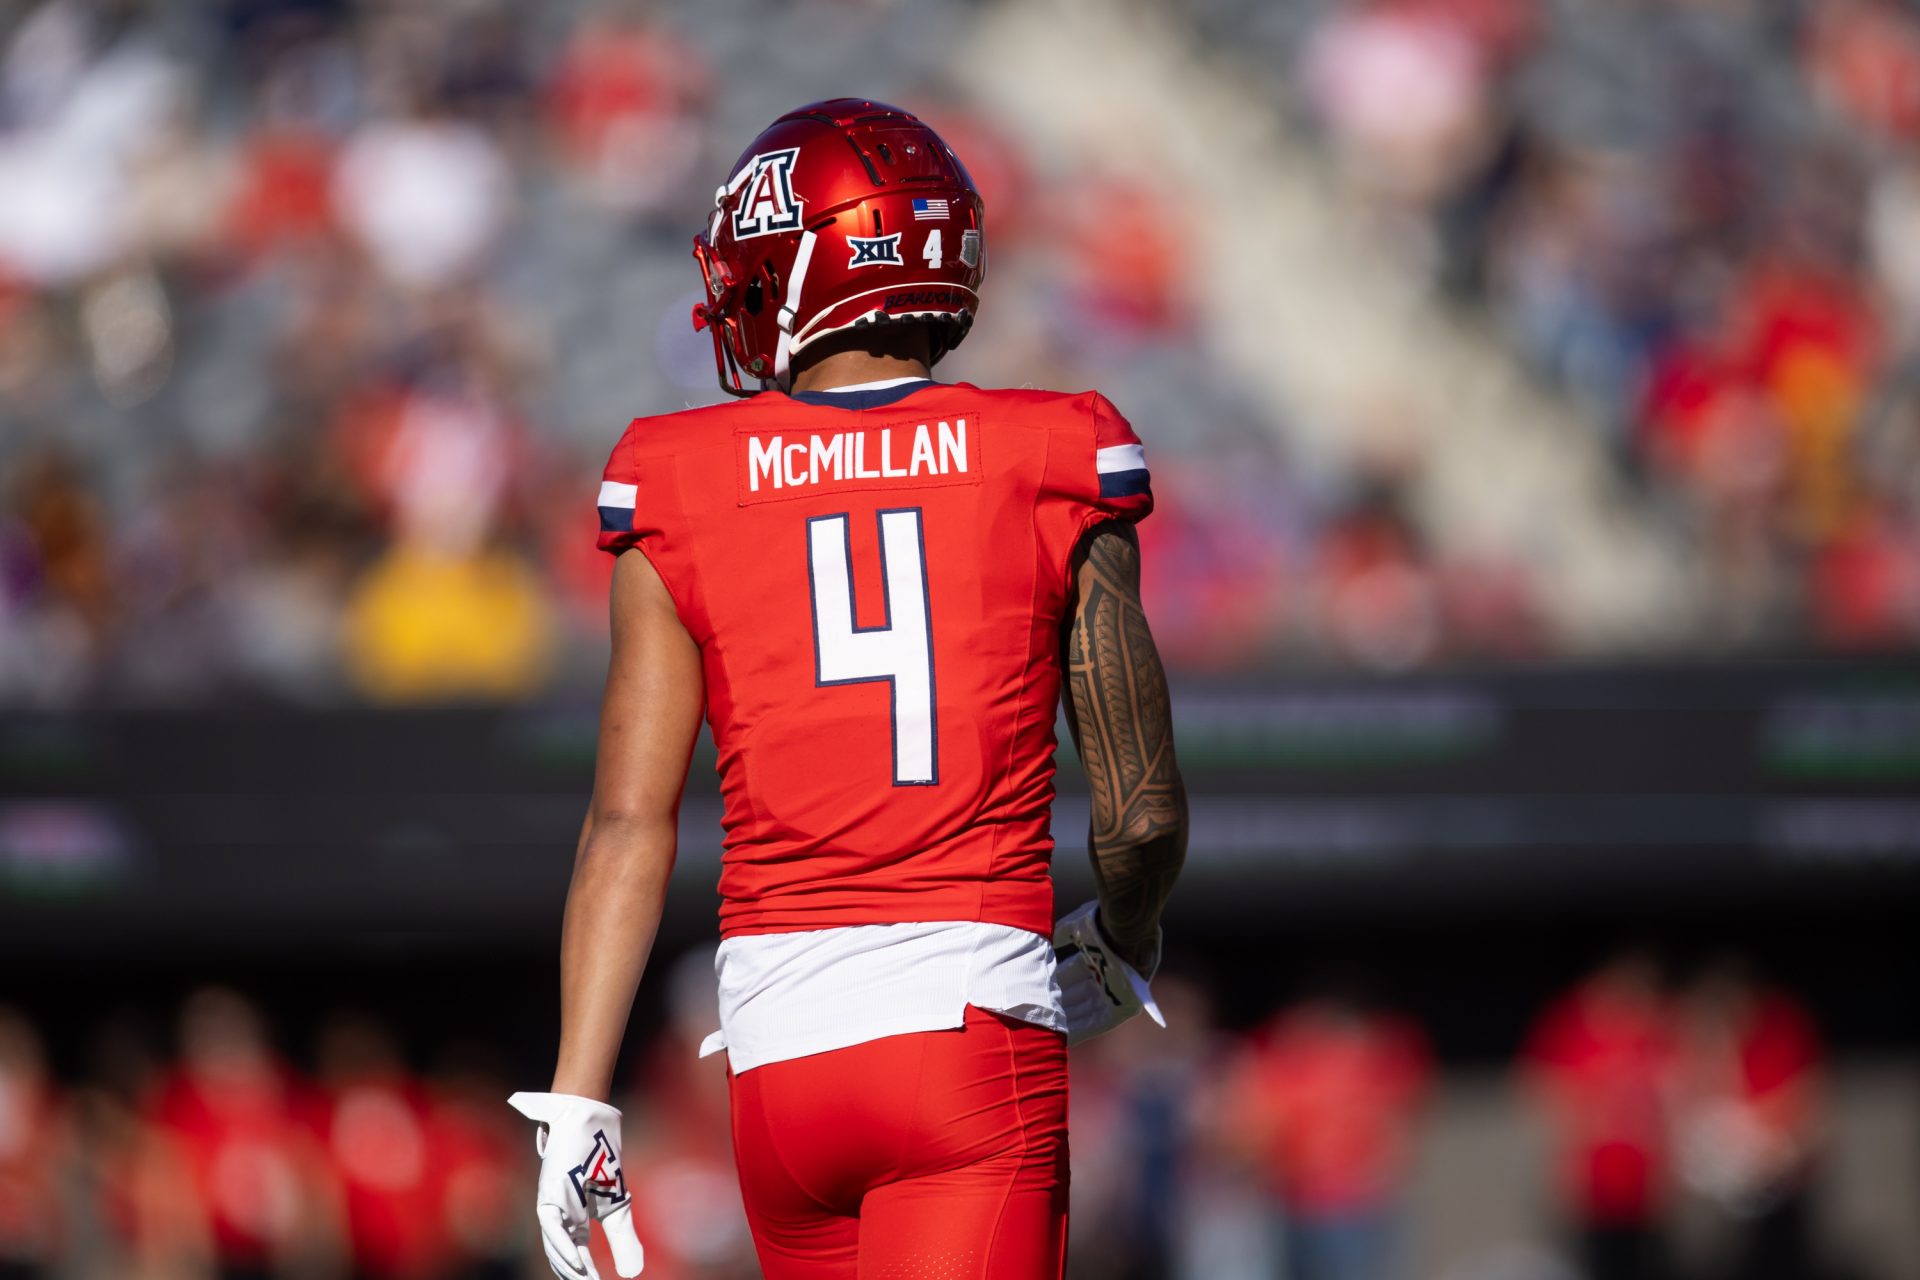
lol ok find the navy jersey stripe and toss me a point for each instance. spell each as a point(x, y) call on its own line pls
point(862, 399)
point(616, 519)
point(1124, 484)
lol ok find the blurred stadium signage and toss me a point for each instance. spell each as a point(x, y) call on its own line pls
point(1741, 782)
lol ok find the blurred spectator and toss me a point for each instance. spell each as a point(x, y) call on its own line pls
point(138, 1211)
point(1218, 575)
point(448, 608)
point(1108, 1226)
point(425, 195)
point(283, 612)
point(1403, 85)
point(479, 1153)
point(1749, 1121)
point(58, 590)
point(1893, 209)
point(371, 1119)
point(1601, 1063)
point(1864, 59)
point(624, 106)
point(426, 623)
point(229, 1116)
point(80, 109)
point(1158, 1190)
point(1126, 262)
point(33, 1148)
point(1379, 595)
point(1326, 1098)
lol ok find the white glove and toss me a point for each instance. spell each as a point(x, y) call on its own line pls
point(580, 1179)
point(1098, 989)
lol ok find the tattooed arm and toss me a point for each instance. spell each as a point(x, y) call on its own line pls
point(1122, 722)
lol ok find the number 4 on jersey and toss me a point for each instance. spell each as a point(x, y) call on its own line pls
point(900, 651)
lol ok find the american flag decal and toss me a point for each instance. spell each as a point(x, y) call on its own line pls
point(930, 210)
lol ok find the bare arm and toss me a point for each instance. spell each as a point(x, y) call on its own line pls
point(649, 718)
point(1122, 722)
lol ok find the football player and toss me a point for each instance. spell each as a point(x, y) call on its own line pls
point(877, 588)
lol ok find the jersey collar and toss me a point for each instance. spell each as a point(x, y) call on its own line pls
point(865, 395)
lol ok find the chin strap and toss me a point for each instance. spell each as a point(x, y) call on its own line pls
point(789, 311)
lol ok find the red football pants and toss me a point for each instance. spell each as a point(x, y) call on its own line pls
point(937, 1154)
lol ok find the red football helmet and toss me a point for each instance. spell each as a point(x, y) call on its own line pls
point(842, 213)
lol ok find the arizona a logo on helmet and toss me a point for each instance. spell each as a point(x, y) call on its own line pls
point(768, 204)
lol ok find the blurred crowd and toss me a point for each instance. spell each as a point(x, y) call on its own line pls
point(1696, 218)
point(1289, 1151)
point(318, 317)
point(1283, 1152)
point(278, 331)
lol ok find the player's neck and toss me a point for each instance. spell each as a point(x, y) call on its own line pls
point(851, 368)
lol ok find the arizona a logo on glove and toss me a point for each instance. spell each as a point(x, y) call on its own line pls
point(581, 1182)
point(600, 1173)
point(1098, 990)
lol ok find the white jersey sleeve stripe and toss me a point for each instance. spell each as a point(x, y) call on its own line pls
point(615, 494)
point(1120, 457)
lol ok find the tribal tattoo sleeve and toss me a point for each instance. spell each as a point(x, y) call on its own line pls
point(1122, 721)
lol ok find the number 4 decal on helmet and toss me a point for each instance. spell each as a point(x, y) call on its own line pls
point(899, 651)
point(932, 251)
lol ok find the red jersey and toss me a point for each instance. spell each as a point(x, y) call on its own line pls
point(245, 1156)
point(1607, 1061)
point(1330, 1094)
point(877, 581)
